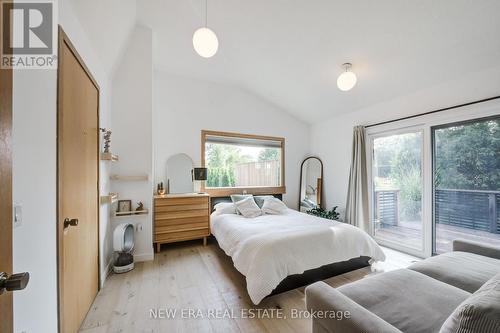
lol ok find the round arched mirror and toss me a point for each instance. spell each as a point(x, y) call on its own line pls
point(311, 184)
point(179, 179)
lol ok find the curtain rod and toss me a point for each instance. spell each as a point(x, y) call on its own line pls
point(434, 111)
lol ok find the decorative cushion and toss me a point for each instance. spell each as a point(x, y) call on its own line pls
point(259, 199)
point(238, 197)
point(225, 208)
point(274, 206)
point(248, 208)
point(478, 313)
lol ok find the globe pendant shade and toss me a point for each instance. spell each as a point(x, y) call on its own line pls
point(346, 81)
point(205, 42)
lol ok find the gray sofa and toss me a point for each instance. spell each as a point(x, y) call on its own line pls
point(454, 292)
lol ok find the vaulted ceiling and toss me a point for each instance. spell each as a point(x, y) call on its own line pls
point(290, 52)
point(108, 24)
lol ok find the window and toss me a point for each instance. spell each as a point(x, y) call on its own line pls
point(240, 162)
point(466, 174)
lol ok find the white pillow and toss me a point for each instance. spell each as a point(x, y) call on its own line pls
point(248, 208)
point(274, 206)
point(225, 208)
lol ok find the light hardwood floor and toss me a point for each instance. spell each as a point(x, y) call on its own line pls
point(190, 276)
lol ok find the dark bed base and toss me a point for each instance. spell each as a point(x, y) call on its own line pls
point(320, 273)
point(313, 275)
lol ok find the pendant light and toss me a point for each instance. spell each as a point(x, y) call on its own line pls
point(347, 80)
point(205, 41)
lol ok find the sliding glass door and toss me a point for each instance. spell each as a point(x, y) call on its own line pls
point(436, 179)
point(466, 176)
point(396, 189)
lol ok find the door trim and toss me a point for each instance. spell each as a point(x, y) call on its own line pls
point(6, 223)
point(63, 39)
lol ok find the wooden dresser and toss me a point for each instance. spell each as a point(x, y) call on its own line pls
point(180, 217)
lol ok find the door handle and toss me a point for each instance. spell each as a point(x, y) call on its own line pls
point(70, 222)
point(13, 282)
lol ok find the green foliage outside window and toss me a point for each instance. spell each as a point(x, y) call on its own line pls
point(269, 155)
point(468, 156)
point(220, 160)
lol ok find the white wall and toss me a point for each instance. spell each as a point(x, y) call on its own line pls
point(34, 181)
point(331, 139)
point(131, 138)
point(183, 106)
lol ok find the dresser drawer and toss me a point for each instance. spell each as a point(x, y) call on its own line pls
point(178, 208)
point(176, 228)
point(181, 214)
point(181, 223)
point(162, 202)
point(181, 235)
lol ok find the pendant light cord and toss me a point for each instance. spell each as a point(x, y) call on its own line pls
point(206, 13)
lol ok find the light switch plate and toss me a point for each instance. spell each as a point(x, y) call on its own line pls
point(18, 215)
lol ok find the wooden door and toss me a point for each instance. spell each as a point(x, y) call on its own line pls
point(5, 194)
point(78, 195)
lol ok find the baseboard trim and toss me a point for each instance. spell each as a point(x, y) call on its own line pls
point(144, 257)
point(105, 273)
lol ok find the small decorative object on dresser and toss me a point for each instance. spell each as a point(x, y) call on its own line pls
point(140, 207)
point(199, 175)
point(160, 190)
point(180, 217)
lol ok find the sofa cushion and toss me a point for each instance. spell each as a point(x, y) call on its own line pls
point(467, 271)
point(408, 300)
point(478, 313)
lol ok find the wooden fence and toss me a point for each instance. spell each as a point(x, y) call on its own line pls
point(479, 210)
point(265, 173)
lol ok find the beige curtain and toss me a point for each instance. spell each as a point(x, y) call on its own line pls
point(356, 212)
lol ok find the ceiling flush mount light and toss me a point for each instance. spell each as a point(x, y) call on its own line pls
point(347, 80)
point(205, 41)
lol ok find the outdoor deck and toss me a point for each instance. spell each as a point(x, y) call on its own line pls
point(410, 234)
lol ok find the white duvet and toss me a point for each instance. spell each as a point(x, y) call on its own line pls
point(268, 248)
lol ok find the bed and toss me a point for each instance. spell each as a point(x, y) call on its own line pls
point(274, 251)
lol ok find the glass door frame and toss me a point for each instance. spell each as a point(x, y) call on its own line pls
point(372, 135)
point(424, 123)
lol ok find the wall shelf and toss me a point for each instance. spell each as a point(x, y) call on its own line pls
point(131, 213)
point(109, 199)
point(109, 157)
point(129, 177)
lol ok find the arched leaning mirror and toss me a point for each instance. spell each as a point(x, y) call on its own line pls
point(311, 184)
point(179, 179)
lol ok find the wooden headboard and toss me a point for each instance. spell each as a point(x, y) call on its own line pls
point(215, 200)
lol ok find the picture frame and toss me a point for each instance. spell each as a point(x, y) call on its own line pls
point(199, 173)
point(124, 206)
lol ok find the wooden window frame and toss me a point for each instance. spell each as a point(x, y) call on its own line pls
point(257, 190)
